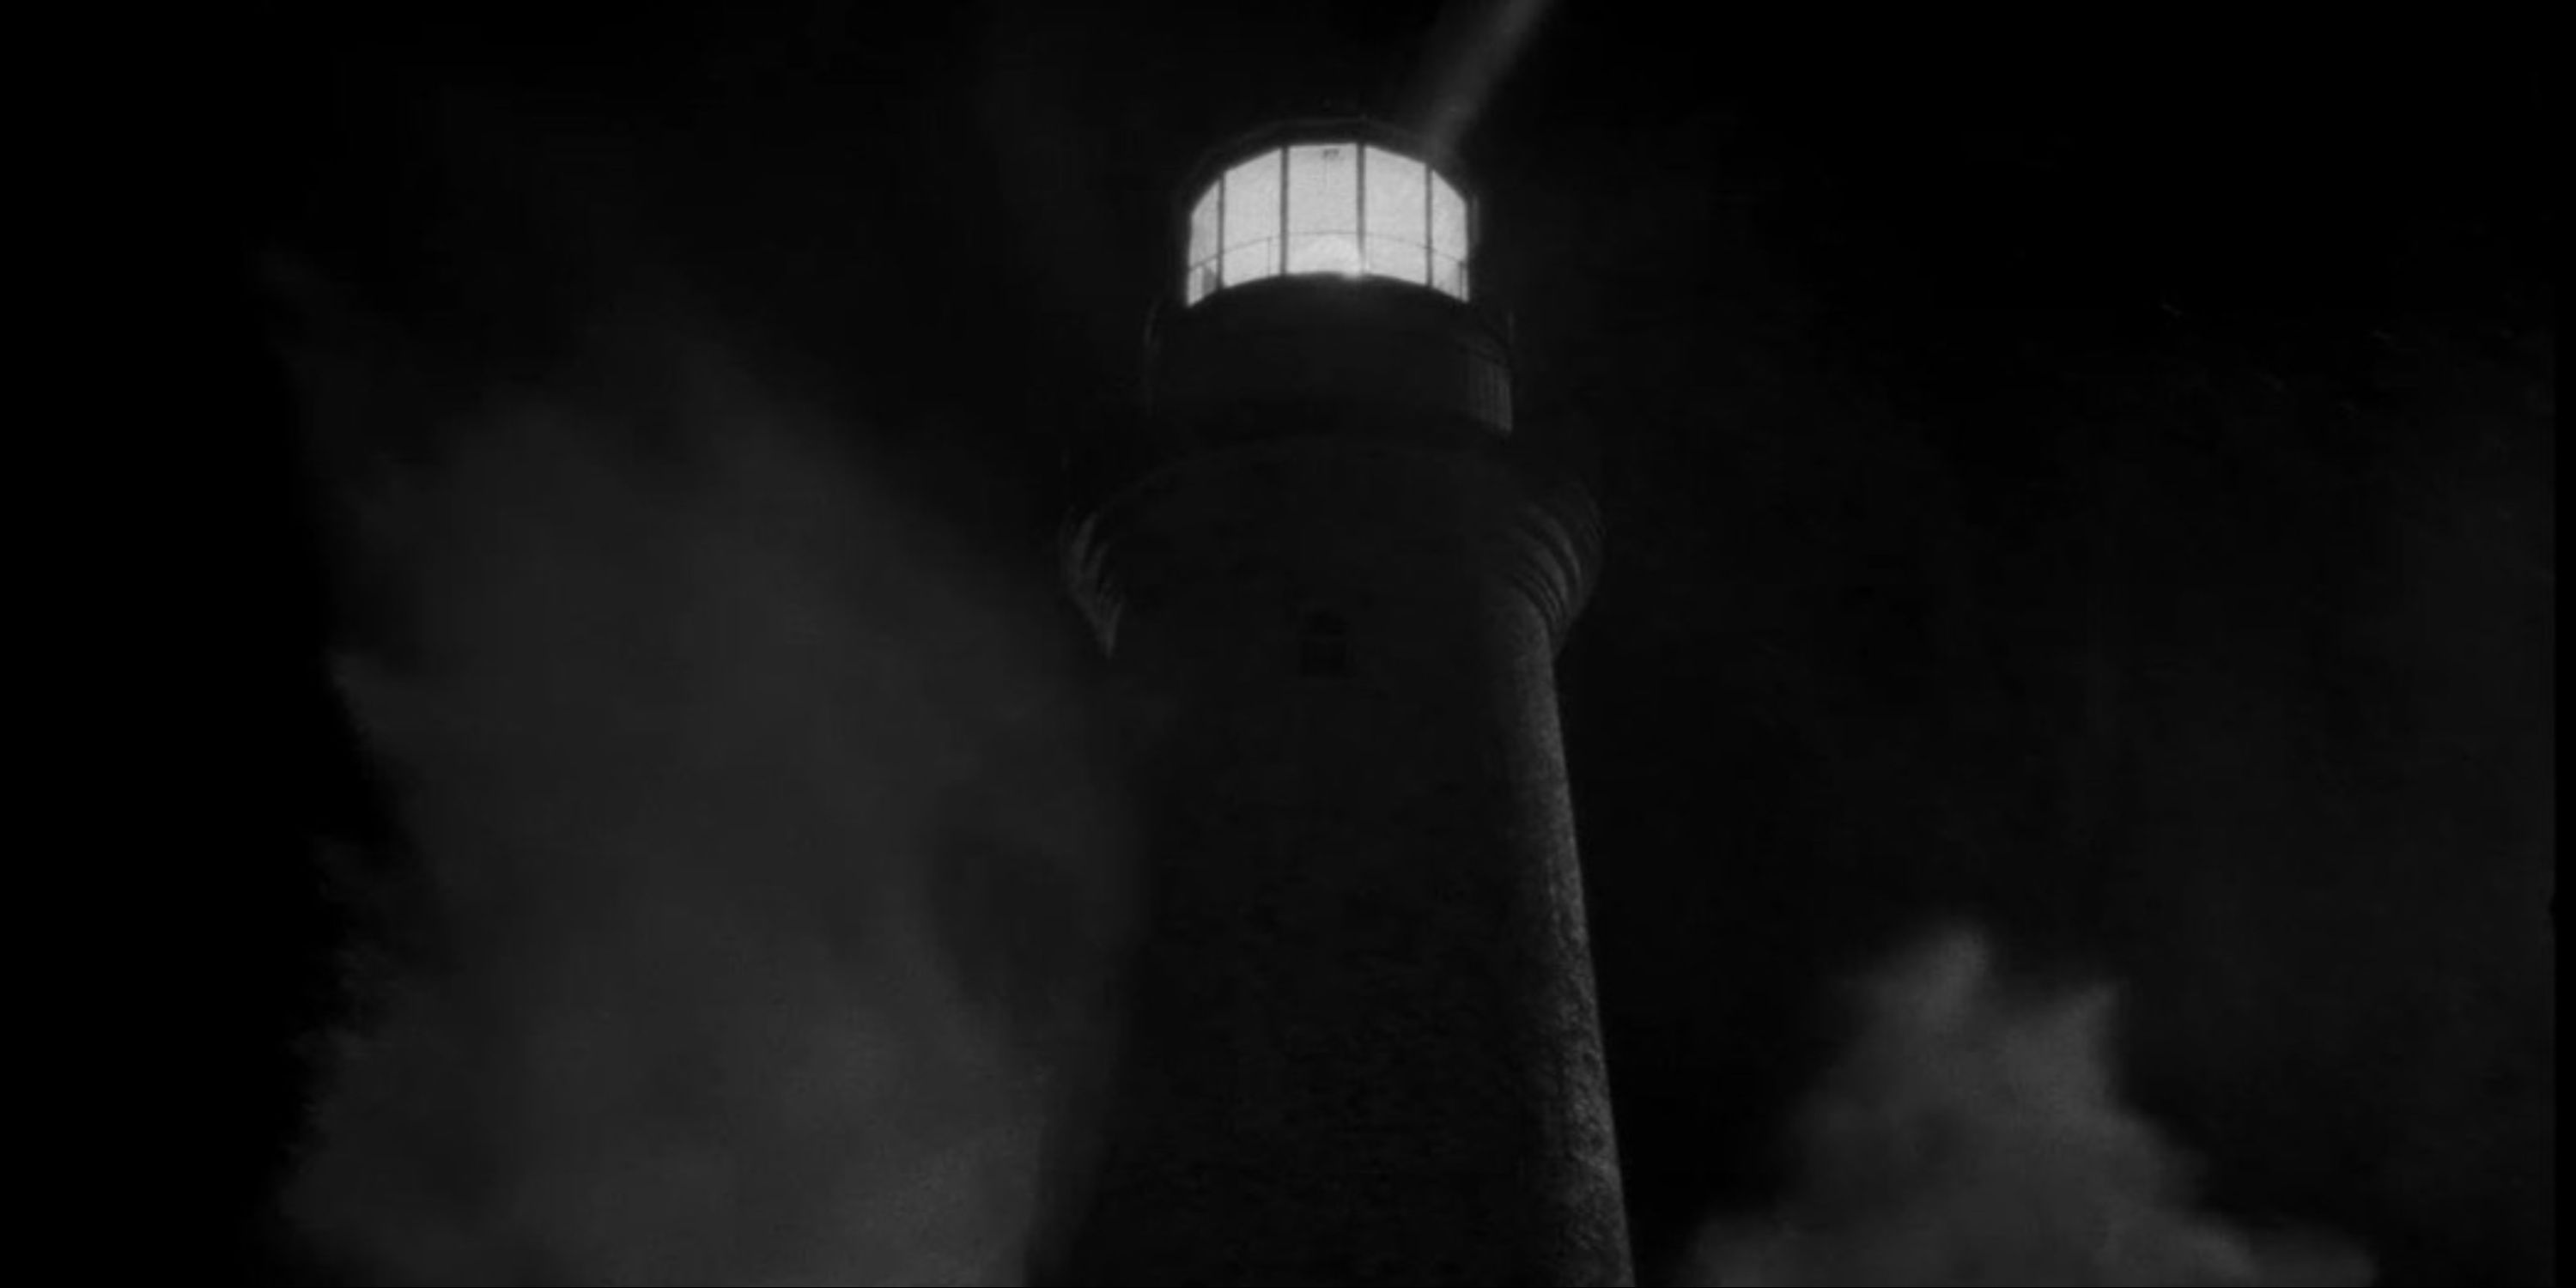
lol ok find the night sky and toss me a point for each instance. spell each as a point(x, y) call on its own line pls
point(2097, 483)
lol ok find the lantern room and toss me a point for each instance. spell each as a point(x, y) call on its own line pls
point(1325, 290)
point(1331, 206)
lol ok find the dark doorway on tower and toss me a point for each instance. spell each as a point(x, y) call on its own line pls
point(1323, 644)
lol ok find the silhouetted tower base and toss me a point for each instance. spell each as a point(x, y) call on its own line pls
point(1363, 1043)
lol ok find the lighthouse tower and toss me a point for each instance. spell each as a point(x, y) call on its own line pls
point(1362, 1042)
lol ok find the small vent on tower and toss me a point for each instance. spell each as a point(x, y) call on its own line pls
point(1323, 645)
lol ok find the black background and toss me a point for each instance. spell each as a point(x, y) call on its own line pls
point(2097, 480)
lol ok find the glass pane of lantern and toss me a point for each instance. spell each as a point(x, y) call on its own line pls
point(1202, 229)
point(1324, 209)
point(1449, 276)
point(1448, 239)
point(1399, 217)
point(1251, 237)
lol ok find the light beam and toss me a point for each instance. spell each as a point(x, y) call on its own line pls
point(1473, 46)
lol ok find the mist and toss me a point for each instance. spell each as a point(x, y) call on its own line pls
point(762, 878)
point(1974, 1133)
point(756, 871)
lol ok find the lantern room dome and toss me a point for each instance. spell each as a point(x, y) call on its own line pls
point(1326, 203)
point(1324, 290)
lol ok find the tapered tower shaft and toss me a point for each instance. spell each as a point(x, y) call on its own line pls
point(1363, 1046)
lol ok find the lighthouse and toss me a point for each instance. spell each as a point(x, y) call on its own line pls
point(1361, 1040)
